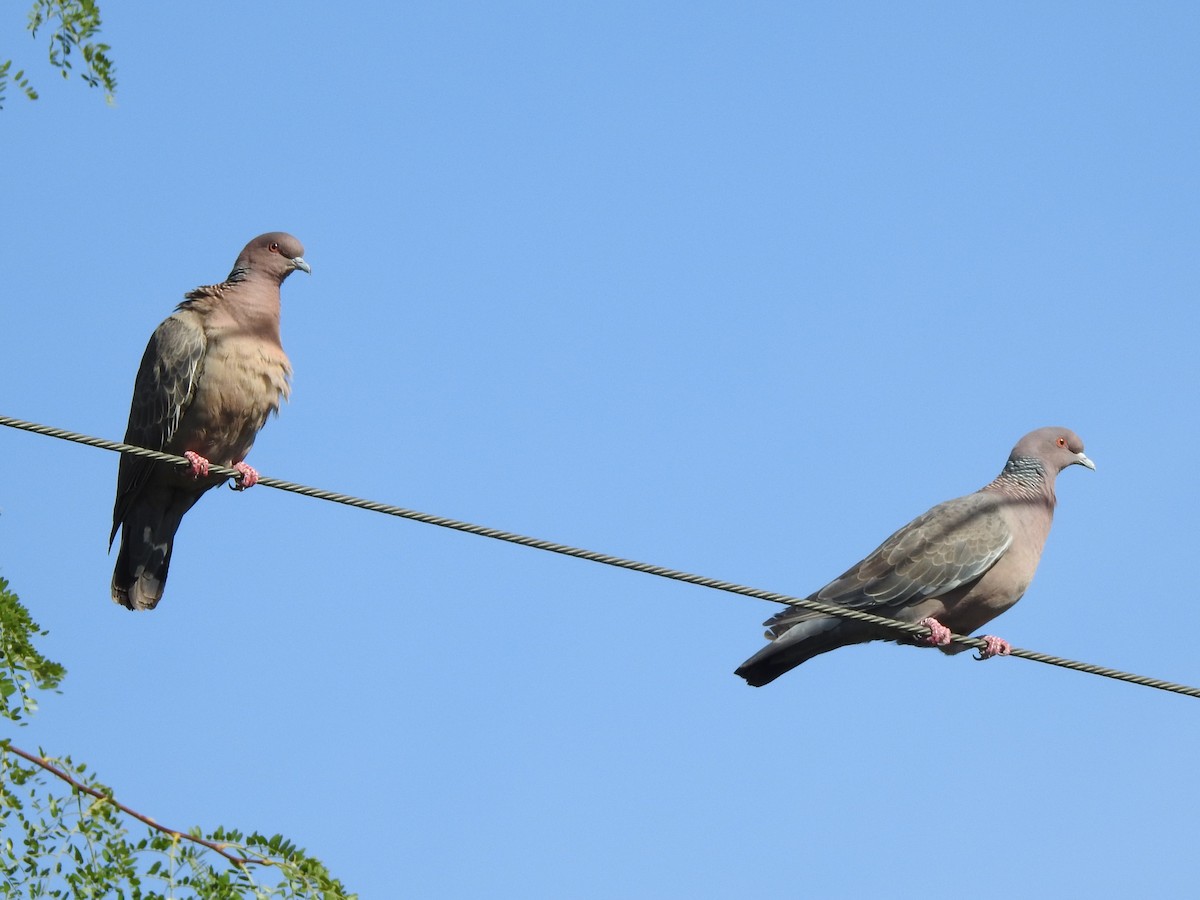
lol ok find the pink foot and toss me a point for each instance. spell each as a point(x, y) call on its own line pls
point(249, 477)
point(939, 634)
point(994, 646)
point(199, 464)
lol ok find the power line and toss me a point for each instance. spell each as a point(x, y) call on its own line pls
point(604, 558)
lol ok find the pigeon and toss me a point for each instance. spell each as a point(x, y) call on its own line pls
point(952, 569)
point(211, 374)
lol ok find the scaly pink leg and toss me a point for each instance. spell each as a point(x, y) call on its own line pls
point(994, 647)
point(939, 634)
point(249, 477)
point(199, 464)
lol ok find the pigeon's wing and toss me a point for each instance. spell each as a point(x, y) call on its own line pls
point(162, 392)
point(952, 544)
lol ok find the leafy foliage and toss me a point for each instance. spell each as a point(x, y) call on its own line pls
point(22, 668)
point(19, 79)
point(72, 25)
point(64, 834)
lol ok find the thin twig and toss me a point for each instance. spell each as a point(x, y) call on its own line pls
point(54, 770)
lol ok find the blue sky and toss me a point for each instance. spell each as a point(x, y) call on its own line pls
point(732, 288)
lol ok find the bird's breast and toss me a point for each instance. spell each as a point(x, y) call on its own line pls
point(243, 381)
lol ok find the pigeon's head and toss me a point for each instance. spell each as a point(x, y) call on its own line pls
point(1055, 447)
point(275, 254)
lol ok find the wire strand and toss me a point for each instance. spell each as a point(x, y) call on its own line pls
point(603, 558)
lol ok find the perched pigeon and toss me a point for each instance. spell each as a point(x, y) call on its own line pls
point(953, 569)
point(211, 375)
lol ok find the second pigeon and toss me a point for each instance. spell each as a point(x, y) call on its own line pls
point(952, 569)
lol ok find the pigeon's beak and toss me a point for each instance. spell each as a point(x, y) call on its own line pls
point(299, 263)
point(1084, 461)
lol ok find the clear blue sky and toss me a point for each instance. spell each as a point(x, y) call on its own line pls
point(733, 288)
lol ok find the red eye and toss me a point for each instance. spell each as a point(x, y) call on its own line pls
point(274, 248)
point(1062, 442)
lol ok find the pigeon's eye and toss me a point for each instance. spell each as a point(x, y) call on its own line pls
point(274, 248)
point(1062, 442)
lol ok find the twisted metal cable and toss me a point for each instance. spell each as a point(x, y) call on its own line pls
point(604, 558)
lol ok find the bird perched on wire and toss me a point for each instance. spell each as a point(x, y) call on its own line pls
point(952, 569)
point(211, 374)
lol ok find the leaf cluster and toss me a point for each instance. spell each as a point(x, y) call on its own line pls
point(64, 834)
point(72, 25)
point(22, 668)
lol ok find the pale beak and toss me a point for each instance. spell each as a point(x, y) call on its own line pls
point(1084, 461)
point(299, 263)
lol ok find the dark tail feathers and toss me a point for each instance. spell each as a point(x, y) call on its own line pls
point(147, 539)
point(801, 643)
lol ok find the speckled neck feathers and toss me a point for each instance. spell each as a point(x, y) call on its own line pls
point(1024, 476)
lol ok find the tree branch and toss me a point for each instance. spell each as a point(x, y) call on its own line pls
point(239, 861)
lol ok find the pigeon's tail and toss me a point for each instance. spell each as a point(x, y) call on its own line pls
point(147, 536)
point(800, 643)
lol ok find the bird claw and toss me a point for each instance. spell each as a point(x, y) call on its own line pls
point(242, 483)
point(939, 634)
point(249, 477)
point(199, 464)
point(993, 646)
